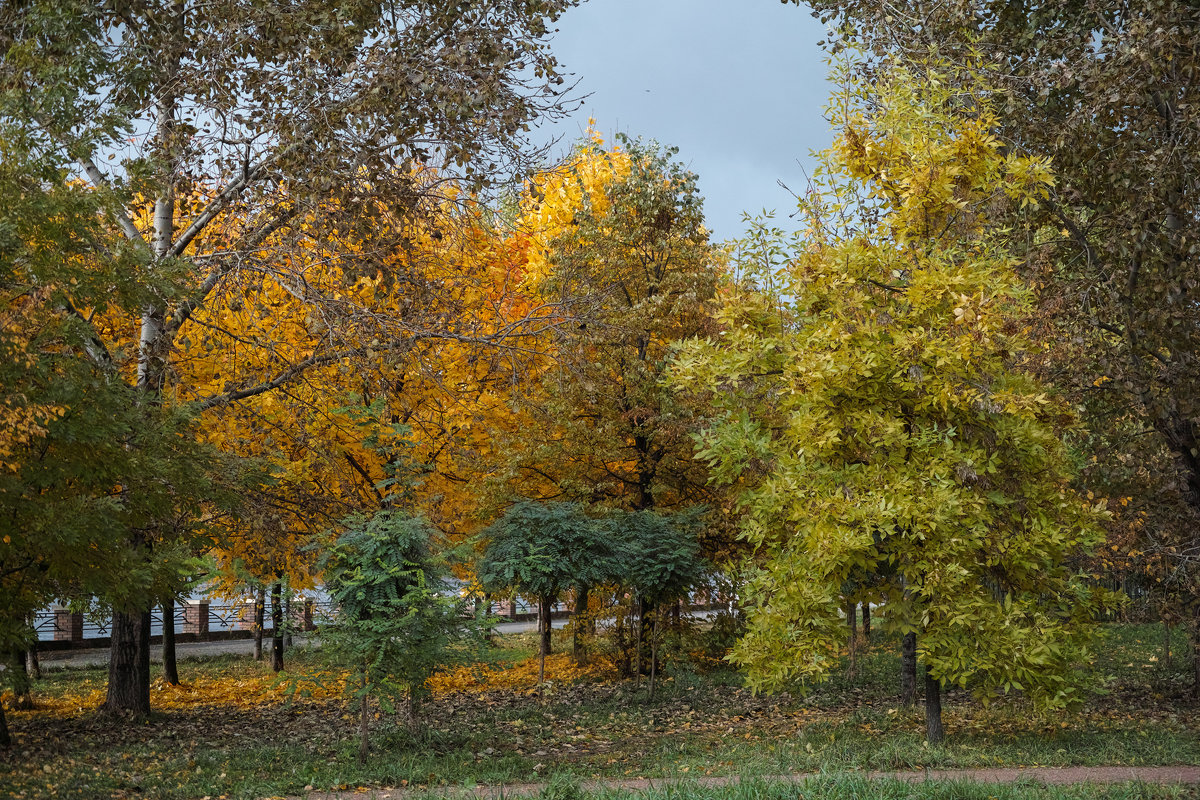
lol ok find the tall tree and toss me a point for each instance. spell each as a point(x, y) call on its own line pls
point(865, 375)
point(1108, 90)
point(617, 238)
point(82, 463)
point(300, 122)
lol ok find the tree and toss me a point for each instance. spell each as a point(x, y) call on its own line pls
point(868, 381)
point(541, 549)
point(302, 125)
point(660, 562)
point(1108, 91)
point(81, 462)
point(397, 615)
point(615, 239)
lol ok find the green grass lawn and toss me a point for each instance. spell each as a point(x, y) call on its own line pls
point(241, 741)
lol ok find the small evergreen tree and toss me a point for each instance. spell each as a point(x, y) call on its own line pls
point(397, 615)
point(540, 549)
point(660, 562)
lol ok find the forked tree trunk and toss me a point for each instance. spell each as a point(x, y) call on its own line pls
point(934, 732)
point(908, 670)
point(260, 605)
point(170, 669)
point(129, 664)
point(866, 629)
point(579, 621)
point(277, 626)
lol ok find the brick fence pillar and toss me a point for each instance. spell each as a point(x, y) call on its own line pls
point(195, 618)
point(68, 626)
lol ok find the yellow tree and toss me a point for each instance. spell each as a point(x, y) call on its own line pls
point(868, 381)
point(378, 428)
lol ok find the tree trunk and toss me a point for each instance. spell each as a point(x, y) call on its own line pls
point(483, 609)
point(543, 636)
point(277, 626)
point(129, 664)
point(22, 691)
point(260, 605)
point(413, 702)
point(648, 615)
point(653, 654)
point(545, 627)
point(5, 739)
point(287, 616)
point(934, 732)
point(32, 665)
point(170, 669)
point(908, 670)
point(364, 744)
point(852, 645)
point(578, 622)
point(637, 644)
point(619, 630)
point(866, 629)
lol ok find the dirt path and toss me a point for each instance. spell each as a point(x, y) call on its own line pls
point(1046, 775)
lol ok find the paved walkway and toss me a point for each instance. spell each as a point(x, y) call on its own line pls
point(1058, 776)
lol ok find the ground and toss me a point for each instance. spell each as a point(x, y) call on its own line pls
point(236, 730)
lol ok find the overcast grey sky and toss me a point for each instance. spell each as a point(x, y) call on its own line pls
point(737, 85)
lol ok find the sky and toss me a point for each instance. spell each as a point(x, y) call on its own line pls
point(739, 86)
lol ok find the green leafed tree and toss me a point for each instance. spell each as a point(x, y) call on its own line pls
point(540, 550)
point(82, 461)
point(624, 251)
point(397, 616)
point(1109, 91)
point(869, 395)
point(660, 561)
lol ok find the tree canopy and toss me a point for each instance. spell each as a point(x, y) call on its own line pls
point(868, 398)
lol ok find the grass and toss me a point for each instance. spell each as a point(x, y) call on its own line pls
point(852, 787)
point(230, 732)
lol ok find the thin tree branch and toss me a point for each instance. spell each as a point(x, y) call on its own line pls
point(101, 181)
